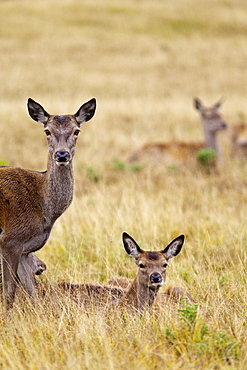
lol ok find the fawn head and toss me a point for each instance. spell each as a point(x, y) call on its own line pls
point(36, 264)
point(211, 116)
point(61, 131)
point(152, 265)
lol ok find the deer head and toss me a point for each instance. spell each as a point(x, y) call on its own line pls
point(61, 131)
point(152, 265)
point(211, 116)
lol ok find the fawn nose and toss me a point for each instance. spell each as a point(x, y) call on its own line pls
point(40, 269)
point(155, 277)
point(62, 157)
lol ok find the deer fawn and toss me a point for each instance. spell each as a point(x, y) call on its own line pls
point(184, 152)
point(124, 293)
point(151, 273)
point(30, 201)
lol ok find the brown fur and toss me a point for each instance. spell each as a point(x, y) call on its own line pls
point(82, 294)
point(173, 152)
point(172, 293)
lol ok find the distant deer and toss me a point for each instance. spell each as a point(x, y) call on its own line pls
point(183, 152)
point(30, 201)
point(238, 135)
point(151, 273)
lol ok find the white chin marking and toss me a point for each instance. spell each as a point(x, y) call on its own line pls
point(157, 284)
point(60, 164)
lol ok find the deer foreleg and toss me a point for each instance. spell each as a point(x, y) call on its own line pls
point(10, 259)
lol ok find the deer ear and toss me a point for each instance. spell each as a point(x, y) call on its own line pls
point(218, 104)
point(37, 112)
point(86, 111)
point(131, 247)
point(198, 105)
point(174, 247)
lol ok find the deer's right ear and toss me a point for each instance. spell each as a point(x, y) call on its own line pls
point(198, 105)
point(218, 104)
point(37, 112)
point(174, 247)
point(131, 247)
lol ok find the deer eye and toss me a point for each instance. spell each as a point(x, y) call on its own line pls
point(142, 266)
point(165, 265)
point(76, 133)
point(47, 132)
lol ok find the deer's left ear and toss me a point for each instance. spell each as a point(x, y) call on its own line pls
point(86, 111)
point(131, 247)
point(218, 104)
point(174, 247)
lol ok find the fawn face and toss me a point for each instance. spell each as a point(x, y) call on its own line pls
point(62, 131)
point(152, 268)
point(152, 265)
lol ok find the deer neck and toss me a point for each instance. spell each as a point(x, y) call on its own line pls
point(59, 189)
point(140, 296)
point(211, 141)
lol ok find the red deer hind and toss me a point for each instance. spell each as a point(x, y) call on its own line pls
point(31, 201)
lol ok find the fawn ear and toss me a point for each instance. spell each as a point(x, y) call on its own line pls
point(131, 247)
point(198, 105)
point(174, 247)
point(86, 111)
point(37, 112)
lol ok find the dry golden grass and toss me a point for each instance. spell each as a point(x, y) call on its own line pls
point(144, 61)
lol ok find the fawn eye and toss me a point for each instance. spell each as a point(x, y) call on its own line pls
point(165, 265)
point(76, 133)
point(142, 266)
point(47, 132)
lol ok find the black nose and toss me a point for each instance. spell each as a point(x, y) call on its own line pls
point(62, 156)
point(39, 271)
point(155, 277)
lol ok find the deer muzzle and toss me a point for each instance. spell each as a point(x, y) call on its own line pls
point(156, 279)
point(62, 158)
point(40, 269)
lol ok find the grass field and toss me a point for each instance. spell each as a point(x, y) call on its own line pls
point(143, 61)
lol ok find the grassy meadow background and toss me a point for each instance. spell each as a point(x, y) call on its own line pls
point(143, 61)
